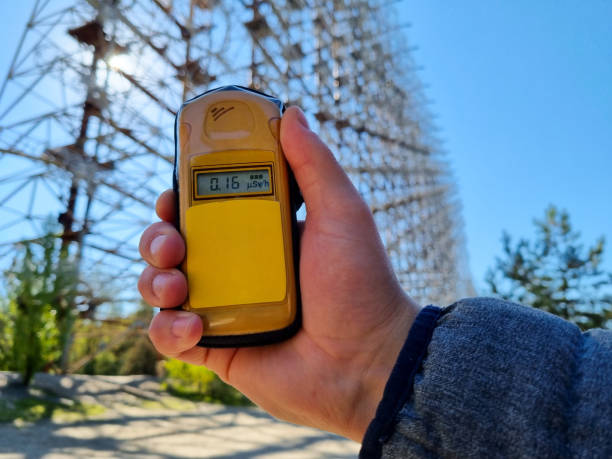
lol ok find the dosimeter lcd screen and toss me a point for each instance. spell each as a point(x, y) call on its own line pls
point(237, 182)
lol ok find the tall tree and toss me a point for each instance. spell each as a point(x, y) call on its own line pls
point(556, 273)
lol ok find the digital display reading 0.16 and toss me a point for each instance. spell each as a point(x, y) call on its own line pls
point(233, 182)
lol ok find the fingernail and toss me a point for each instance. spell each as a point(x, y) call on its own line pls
point(182, 324)
point(159, 283)
point(302, 118)
point(157, 243)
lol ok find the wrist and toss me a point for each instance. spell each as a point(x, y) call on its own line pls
point(386, 344)
point(399, 387)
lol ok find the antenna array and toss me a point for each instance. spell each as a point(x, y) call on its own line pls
point(87, 111)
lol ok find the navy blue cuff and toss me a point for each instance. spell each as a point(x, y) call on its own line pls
point(399, 386)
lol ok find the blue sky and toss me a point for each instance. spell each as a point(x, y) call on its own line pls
point(522, 94)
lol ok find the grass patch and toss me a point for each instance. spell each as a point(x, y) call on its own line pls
point(32, 409)
point(216, 391)
point(77, 412)
point(168, 403)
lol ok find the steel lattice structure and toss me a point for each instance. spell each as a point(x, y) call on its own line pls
point(87, 110)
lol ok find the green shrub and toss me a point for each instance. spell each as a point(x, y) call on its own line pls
point(105, 363)
point(6, 341)
point(115, 346)
point(139, 358)
point(37, 315)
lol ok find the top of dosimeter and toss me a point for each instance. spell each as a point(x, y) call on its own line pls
point(234, 87)
point(228, 88)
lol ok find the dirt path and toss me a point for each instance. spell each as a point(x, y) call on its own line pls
point(142, 422)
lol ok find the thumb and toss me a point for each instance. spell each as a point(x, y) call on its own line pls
point(322, 181)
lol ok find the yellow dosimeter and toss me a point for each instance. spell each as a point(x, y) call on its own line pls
point(237, 201)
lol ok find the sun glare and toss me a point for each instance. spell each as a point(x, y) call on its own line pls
point(122, 67)
point(121, 62)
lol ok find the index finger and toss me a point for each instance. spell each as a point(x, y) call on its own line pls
point(166, 206)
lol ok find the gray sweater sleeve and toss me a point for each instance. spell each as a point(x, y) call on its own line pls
point(498, 379)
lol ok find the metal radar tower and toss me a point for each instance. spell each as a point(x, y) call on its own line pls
point(87, 110)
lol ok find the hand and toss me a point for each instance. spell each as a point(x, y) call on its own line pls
point(356, 317)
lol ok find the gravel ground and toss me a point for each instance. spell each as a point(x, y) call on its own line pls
point(140, 421)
